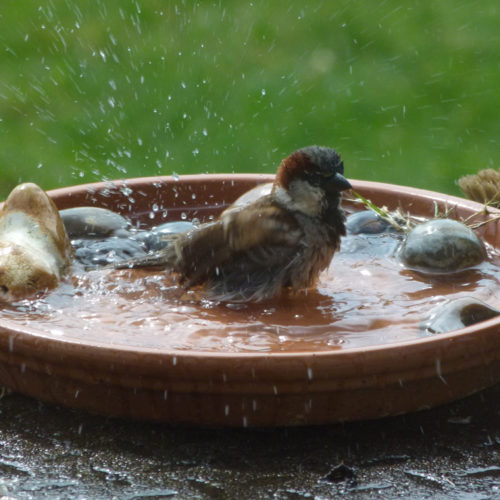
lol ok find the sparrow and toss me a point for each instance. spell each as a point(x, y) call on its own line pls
point(282, 240)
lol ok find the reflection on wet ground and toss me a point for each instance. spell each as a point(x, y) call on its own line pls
point(54, 453)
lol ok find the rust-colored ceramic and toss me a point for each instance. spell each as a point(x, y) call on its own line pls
point(248, 389)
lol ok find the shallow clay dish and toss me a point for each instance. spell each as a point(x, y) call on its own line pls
point(247, 389)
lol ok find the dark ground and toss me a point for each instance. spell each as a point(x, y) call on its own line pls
point(449, 452)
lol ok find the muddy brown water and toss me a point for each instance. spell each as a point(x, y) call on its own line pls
point(365, 298)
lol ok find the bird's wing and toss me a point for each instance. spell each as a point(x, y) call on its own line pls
point(264, 231)
point(240, 240)
point(266, 224)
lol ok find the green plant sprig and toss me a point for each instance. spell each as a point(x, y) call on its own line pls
point(382, 212)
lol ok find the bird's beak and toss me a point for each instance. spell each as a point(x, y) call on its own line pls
point(340, 183)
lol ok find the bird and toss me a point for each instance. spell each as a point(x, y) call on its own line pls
point(281, 241)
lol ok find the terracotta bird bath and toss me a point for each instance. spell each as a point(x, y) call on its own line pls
point(311, 383)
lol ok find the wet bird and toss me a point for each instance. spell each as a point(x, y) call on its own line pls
point(279, 241)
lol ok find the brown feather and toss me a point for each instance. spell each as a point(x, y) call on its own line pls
point(291, 168)
point(235, 233)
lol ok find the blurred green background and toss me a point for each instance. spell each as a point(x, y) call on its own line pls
point(407, 92)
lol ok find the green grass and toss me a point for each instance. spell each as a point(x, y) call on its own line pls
point(406, 92)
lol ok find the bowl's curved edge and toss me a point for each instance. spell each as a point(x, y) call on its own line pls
point(253, 389)
point(256, 390)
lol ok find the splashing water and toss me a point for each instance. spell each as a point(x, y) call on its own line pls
point(364, 298)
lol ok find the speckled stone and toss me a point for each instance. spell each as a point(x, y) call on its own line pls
point(442, 245)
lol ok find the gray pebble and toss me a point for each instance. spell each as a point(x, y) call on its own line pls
point(87, 222)
point(158, 237)
point(367, 222)
point(101, 252)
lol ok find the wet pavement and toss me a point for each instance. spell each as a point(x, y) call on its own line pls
point(48, 452)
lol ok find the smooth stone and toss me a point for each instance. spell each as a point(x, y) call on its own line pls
point(174, 227)
point(92, 222)
point(159, 236)
point(35, 249)
point(457, 314)
point(121, 244)
point(367, 222)
point(101, 252)
point(442, 245)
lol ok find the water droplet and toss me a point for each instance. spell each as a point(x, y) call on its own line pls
point(195, 151)
point(439, 372)
point(263, 91)
point(183, 216)
point(175, 175)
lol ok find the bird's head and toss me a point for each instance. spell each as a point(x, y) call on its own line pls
point(311, 180)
